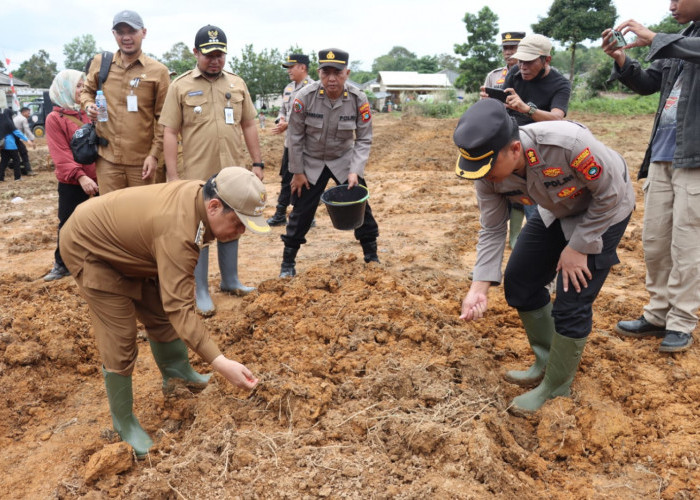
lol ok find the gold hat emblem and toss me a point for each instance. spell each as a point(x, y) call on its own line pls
point(213, 34)
point(508, 36)
point(330, 55)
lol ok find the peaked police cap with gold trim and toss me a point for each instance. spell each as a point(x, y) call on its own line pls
point(482, 131)
point(293, 59)
point(512, 37)
point(333, 58)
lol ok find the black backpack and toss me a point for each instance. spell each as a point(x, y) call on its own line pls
point(85, 141)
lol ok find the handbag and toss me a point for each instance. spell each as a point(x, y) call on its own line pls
point(84, 143)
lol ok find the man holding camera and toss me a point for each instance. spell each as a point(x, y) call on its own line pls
point(537, 91)
point(672, 168)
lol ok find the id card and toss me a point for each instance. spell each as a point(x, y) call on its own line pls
point(132, 103)
point(228, 113)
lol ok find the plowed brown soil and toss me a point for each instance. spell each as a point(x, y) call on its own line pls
point(371, 387)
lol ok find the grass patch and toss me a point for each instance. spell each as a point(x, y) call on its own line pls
point(632, 105)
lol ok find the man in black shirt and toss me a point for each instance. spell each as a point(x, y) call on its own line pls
point(537, 91)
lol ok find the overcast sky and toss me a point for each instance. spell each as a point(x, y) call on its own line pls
point(366, 30)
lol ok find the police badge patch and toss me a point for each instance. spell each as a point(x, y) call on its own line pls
point(298, 106)
point(365, 113)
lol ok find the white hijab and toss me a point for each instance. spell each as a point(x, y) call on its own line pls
point(62, 91)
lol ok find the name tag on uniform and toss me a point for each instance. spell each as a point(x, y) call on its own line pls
point(228, 114)
point(132, 103)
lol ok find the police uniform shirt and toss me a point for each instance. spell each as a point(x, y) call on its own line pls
point(571, 176)
point(112, 242)
point(288, 95)
point(196, 107)
point(322, 133)
point(496, 78)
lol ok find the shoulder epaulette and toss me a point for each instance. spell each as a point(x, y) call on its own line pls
point(184, 74)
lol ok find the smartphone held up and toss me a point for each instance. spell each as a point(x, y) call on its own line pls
point(495, 93)
point(619, 39)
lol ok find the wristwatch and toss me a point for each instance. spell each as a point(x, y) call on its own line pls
point(532, 109)
point(259, 164)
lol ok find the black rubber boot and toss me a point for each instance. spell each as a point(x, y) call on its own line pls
point(280, 217)
point(288, 259)
point(370, 250)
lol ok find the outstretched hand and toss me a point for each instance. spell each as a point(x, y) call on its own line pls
point(233, 371)
point(476, 302)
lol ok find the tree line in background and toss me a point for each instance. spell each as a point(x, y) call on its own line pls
point(568, 22)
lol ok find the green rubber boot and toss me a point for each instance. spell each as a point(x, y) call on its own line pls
point(121, 405)
point(539, 326)
point(516, 223)
point(564, 358)
point(173, 363)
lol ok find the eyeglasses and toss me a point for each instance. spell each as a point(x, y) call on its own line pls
point(123, 33)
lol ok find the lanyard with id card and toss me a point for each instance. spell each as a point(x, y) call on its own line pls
point(228, 110)
point(132, 101)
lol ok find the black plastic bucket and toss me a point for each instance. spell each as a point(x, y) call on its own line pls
point(346, 206)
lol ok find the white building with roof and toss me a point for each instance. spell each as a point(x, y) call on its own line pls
point(399, 87)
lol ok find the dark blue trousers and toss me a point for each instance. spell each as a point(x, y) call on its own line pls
point(532, 266)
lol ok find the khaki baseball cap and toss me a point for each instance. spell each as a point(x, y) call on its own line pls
point(533, 46)
point(241, 190)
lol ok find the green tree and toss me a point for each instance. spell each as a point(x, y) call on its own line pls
point(179, 58)
point(481, 52)
point(426, 64)
point(398, 59)
point(262, 72)
point(79, 51)
point(38, 71)
point(573, 21)
point(447, 61)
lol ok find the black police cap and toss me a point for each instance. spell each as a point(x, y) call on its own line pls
point(512, 37)
point(293, 59)
point(482, 131)
point(333, 58)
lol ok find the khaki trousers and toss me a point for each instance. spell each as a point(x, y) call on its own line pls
point(114, 321)
point(112, 176)
point(672, 246)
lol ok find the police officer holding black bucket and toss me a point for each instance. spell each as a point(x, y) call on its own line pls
point(330, 134)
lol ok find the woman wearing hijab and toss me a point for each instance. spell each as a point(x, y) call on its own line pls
point(76, 182)
point(10, 151)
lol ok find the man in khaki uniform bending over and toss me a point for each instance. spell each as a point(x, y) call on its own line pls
point(132, 254)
